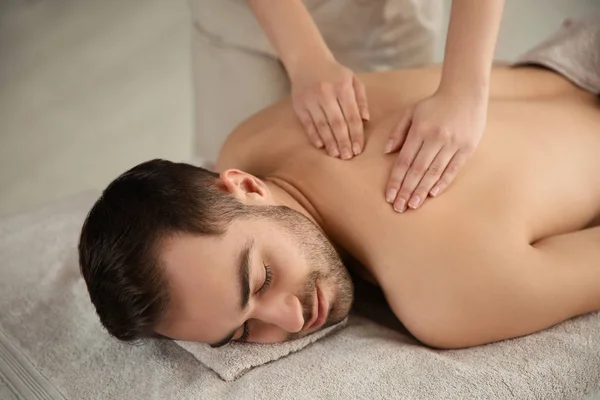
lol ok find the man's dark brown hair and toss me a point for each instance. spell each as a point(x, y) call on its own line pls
point(118, 247)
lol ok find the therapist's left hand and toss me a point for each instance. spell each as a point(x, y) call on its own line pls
point(435, 137)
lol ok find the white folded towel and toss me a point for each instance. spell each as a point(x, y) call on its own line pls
point(235, 359)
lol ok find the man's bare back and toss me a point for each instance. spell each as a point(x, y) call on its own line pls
point(503, 252)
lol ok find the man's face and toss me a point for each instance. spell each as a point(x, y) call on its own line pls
point(267, 279)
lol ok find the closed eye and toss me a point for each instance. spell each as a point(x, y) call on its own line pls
point(268, 278)
point(265, 286)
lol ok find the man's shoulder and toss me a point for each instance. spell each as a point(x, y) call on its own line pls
point(264, 141)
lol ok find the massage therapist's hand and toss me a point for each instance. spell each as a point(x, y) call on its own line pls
point(331, 103)
point(435, 138)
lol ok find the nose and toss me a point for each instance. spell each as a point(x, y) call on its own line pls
point(282, 310)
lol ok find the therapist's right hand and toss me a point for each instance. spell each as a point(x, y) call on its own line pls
point(331, 103)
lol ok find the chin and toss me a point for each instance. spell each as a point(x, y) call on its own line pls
point(337, 315)
point(339, 309)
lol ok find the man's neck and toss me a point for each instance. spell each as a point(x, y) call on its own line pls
point(285, 194)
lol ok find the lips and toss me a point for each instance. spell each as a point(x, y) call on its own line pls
point(320, 310)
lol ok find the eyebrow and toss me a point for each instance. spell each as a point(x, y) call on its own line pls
point(244, 279)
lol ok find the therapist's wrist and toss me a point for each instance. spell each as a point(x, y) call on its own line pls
point(305, 60)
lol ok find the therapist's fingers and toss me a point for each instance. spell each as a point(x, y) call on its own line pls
point(414, 175)
point(457, 162)
point(309, 127)
point(400, 132)
point(361, 98)
point(347, 101)
point(431, 177)
point(322, 125)
point(338, 126)
point(401, 166)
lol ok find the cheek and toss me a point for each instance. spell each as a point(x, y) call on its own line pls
point(288, 260)
point(293, 272)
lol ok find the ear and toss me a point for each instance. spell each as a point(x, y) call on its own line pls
point(245, 187)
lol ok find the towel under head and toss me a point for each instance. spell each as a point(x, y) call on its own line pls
point(233, 360)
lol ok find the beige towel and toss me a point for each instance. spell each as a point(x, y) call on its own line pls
point(233, 360)
point(47, 317)
point(573, 51)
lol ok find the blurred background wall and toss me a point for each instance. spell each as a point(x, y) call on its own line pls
point(89, 88)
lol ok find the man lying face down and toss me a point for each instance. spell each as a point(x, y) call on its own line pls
point(511, 248)
point(172, 251)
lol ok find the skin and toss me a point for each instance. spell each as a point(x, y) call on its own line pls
point(436, 136)
point(296, 279)
point(328, 98)
point(509, 250)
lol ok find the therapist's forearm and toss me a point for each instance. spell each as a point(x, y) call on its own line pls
point(292, 32)
point(470, 45)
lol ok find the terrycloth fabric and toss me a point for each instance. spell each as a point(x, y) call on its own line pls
point(45, 312)
point(235, 359)
point(46, 315)
point(574, 52)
